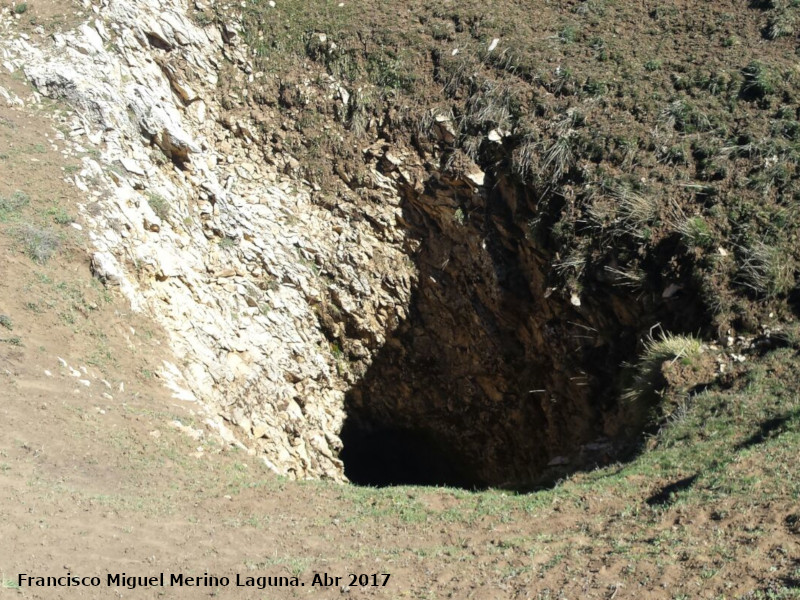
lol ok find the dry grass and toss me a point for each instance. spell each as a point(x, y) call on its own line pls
point(667, 347)
point(767, 270)
point(38, 243)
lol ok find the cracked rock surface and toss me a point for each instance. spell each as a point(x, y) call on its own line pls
point(237, 261)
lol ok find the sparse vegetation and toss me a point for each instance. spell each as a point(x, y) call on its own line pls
point(11, 206)
point(38, 243)
point(568, 98)
point(159, 205)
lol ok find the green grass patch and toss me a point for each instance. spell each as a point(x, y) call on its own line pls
point(11, 206)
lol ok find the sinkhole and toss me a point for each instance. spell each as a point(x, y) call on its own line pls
point(491, 379)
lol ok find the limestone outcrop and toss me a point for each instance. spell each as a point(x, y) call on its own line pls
point(239, 262)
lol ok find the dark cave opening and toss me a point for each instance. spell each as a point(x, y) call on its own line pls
point(486, 381)
point(385, 456)
point(490, 379)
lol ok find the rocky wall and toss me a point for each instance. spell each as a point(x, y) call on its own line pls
point(236, 260)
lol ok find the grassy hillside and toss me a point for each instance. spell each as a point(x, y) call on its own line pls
point(660, 139)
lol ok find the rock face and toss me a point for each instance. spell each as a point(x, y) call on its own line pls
point(237, 261)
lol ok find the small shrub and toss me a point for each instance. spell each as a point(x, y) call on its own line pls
point(227, 242)
point(159, 205)
point(568, 35)
point(61, 216)
point(34, 307)
point(5, 321)
point(37, 243)
point(21, 9)
point(652, 65)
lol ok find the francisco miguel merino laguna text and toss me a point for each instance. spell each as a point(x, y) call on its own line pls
point(161, 580)
point(205, 580)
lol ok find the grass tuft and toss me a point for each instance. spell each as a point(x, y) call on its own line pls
point(558, 157)
point(757, 81)
point(648, 378)
point(636, 213)
point(696, 233)
point(780, 24)
point(767, 270)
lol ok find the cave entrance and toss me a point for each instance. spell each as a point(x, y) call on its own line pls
point(486, 380)
point(489, 379)
point(386, 456)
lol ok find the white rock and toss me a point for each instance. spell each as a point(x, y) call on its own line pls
point(92, 37)
point(132, 166)
point(477, 177)
point(105, 267)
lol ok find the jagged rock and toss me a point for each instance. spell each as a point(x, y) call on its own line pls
point(233, 270)
point(444, 129)
point(105, 267)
